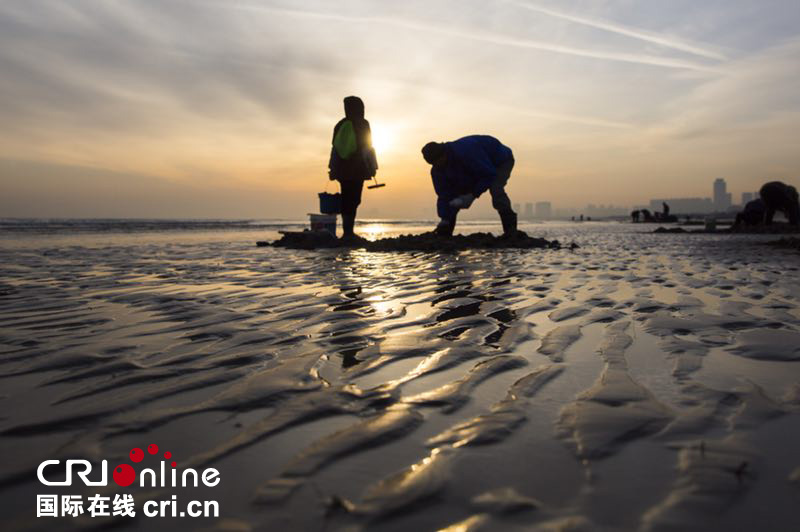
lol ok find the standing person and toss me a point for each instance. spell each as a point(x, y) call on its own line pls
point(352, 160)
point(464, 169)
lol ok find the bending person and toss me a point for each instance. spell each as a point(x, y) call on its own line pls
point(464, 169)
point(352, 160)
point(753, 213)
point(778, 196)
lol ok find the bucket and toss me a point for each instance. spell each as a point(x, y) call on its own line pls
point(323, 222)
point(330, 203)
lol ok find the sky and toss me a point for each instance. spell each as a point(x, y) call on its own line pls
point(225, 108)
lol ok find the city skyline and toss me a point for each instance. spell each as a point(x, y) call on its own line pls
point(720, 201)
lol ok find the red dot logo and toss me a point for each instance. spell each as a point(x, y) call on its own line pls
point(137, 455)
point(124, 475)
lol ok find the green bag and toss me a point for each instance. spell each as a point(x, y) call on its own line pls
point(345, 140)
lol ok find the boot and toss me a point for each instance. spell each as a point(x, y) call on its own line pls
point(509, 223)
point(348, 222)
point(446, 230)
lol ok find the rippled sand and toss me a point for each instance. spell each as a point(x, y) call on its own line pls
point(639, 382)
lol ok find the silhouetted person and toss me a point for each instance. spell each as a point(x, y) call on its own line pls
point(647, 215)
point(752, 214)
point(779, 196)
point(635, 216)
point(464, 169)
point(665, 209)
point(350, 159)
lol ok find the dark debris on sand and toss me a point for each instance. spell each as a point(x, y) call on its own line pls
point(786, 243)
point(774, 229)
point(424, 242)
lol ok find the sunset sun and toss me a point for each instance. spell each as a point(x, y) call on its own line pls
point(382, 139)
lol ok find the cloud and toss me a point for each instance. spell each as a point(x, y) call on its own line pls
point(666, 41)
point(474, 34)
point(753, 90)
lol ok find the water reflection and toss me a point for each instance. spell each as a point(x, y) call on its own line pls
point(375, 230)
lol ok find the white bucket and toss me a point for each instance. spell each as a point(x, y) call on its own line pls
point(323, 222)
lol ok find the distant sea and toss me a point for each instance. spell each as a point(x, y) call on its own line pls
point(51, 226)
point(35, 232)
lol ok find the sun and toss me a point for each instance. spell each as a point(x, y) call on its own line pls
point(382, 138)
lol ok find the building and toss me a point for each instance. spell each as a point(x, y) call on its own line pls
point(544, 210)
point(565, 213)
point(722, 198)
point(529, 210)
point(746, 197)
point(683, 205)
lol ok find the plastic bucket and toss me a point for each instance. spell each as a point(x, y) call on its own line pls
point(330, 203)
point(323, 222)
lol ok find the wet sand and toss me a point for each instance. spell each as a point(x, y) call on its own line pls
point(639, 382)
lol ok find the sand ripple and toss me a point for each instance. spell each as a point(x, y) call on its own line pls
point(639, 382)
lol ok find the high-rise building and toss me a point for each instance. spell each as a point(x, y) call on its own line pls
point(529, 210)
point(746, 197)
point(722, 199)
point(544, 211)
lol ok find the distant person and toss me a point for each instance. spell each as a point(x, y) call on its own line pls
point(752, 214)
point(464, 169)
point(352, 160)
point(635, 216)
point(665, 210)
point(781, 197)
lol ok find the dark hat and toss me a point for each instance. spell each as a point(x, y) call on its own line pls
point(432, 151)
point(354, 108)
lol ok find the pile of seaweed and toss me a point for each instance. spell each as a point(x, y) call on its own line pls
point(778, 228)
point(424, 242)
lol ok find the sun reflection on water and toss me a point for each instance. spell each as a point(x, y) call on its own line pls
point(374, 230)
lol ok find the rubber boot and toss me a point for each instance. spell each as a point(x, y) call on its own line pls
point(446, 230)
point(348, 222)
point(509, 224)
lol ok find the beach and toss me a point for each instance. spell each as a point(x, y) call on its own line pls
point(637, 382)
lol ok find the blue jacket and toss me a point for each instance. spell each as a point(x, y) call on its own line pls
point(471, 167)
